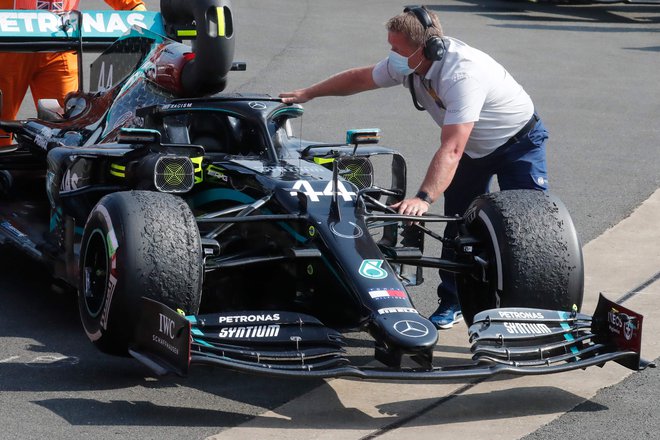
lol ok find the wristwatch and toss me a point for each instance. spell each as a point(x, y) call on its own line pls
point(423, 195)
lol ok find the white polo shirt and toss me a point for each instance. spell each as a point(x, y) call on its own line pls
point(471, 87)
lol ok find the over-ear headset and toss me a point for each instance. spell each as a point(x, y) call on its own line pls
point(434, 47)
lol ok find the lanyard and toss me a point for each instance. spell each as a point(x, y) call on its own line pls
point(429, 90)
point(434, 95)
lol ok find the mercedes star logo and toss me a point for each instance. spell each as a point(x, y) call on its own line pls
point(257, 105)
point(412, 329)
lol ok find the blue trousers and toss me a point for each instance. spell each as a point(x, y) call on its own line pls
point(520, 165)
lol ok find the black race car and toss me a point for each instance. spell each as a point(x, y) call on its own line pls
point(197, 228)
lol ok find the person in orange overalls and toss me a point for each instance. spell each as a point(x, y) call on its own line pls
point(48, 74)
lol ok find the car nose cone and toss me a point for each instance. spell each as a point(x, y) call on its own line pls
point(411, 329)
point(407, 331)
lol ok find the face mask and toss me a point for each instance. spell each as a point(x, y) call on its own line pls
point(399, 63)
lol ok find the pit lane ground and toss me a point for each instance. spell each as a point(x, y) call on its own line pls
point(592, 72)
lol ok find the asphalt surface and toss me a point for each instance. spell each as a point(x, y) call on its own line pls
point(592, 71)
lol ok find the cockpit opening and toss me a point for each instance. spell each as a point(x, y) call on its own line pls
point(217, 132)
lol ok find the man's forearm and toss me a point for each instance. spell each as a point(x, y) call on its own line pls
point(440, 173)
point(445, 161)
point(344, 83)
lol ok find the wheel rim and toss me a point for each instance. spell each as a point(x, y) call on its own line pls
point(95, 272)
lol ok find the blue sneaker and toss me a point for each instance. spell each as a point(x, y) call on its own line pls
point(446, 315)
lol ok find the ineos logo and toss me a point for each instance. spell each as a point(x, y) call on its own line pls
point(257, 105)
point(412, 329)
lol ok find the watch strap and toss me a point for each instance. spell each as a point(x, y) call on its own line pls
point(423, 195)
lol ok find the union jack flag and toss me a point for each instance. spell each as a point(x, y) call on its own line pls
point(50, 5)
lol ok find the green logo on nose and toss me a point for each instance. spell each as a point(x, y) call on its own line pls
point(372, 269)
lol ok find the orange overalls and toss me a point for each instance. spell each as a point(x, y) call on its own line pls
point(48, 74)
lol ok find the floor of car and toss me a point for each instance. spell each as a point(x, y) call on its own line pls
point(25, 211)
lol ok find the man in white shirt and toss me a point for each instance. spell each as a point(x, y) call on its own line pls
point(488, 122)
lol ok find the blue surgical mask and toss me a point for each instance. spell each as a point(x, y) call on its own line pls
point(399, 63)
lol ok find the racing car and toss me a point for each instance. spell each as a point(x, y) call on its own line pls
point(197, 227)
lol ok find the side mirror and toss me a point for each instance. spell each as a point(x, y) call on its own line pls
point(138, 136)
point(363, 136)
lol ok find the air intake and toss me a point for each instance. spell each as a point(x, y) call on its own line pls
point(174, 174)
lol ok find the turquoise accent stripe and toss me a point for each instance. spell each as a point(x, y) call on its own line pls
point(213, 195)
point(192, 319)
point(569, 337)
point(296, 111)
point(293, 233)
point(334, 273)
point(197, 332)
point(204, 343)
point(54, 219)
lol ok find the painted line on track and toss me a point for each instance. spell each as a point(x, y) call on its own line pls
point(639, 288)
point(405, 420)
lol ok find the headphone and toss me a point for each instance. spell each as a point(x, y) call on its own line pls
point(434, 46)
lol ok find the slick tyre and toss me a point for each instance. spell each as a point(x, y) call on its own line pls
point(136, 244)
point(532, 253)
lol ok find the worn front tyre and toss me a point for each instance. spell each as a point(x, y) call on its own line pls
point(530, 253)
point(136, 244)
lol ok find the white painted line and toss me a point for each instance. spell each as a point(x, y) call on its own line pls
point(618, 261)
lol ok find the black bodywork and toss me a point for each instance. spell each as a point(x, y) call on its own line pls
point(298, 241)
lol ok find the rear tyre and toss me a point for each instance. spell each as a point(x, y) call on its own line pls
point(136, 244)
point(533, 254)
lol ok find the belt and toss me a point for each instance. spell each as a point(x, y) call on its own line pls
point(523, 131)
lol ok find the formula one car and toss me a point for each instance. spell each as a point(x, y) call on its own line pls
point(198, 228)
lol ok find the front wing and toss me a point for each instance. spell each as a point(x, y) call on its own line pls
point(517, 341)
